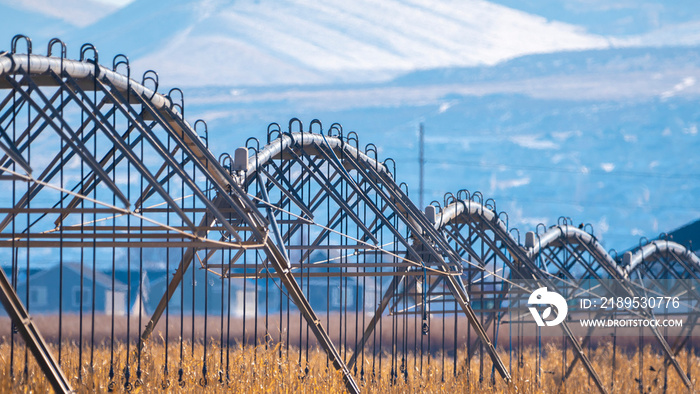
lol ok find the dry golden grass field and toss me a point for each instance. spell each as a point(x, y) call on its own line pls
point(261, 370)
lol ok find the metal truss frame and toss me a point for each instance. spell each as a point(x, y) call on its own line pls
point(120, 168)
point(664, 267)
point(26, 76)
point(563, 249)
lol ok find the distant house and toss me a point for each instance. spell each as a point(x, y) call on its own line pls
point(199, 288)
point(249, 295)
point(333, 294)
point(138, 287)
point(45, 291)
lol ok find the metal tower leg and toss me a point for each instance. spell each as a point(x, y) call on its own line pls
point(172, 286)
point(461, 297)
point(395, 283)
point(185, 262)
point(671, 357)
point(32, 337)
point(580, 354)
point(295, 292)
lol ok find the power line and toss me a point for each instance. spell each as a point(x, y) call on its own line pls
point(612, 173)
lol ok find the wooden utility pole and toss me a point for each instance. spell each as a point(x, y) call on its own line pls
point(421, 164)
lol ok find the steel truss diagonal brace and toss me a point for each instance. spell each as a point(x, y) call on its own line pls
point(460, 295)
point(32, 337)
point(661, 340)
point(518, 254)
point(395, 283)
point(580, 354)
point(185, 262)
point(297, 295)
point(121, 145)
point(670, 356)
point(458, 292)
point(71, 139)
point(273, 222)
point(279, 262)
point(578, 348)
point(11, 151)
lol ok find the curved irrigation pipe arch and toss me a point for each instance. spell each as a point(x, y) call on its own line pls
point(100, 167)
point(564, 248)
point(184, 197)
point(480, 236)
point(110, 95)
point(327, 182)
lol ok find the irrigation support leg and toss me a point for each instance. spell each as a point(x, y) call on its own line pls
point(671, 357)
point(32, 337)
point(460, 295)
point(280, 264)
point(586, 339)
point(388, 295)
point(580, 354)
point(172, 286)
point(185, 262)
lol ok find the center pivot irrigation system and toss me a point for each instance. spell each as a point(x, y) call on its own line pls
point(101, 173)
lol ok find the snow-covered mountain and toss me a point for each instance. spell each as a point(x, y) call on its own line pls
point(298, 42)
point(612, 17)
point(301, 41)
